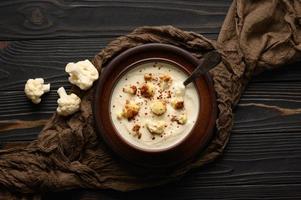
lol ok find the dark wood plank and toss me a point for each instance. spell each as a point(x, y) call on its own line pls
point(47, 58)
point(255, 192)
point(53, 19)
point(266, 134)
point(262, 160)
point(26, 59)
point(14, 144)
point(287, 73)
point(14, 105)
point(20, 60)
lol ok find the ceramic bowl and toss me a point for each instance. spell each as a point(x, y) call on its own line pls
point(182, 151)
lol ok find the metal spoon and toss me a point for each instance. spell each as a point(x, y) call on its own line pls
point(209, 61)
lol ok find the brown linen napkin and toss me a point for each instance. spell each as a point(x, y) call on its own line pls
point(256, 35)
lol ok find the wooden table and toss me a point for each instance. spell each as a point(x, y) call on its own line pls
point(38, 38)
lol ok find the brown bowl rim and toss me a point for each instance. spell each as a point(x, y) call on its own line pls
point(131, 147)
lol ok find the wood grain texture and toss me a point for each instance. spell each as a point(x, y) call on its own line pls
point(59, 18)
point(21, 60)
point(255, 192)
point(261, 160)
point(263, 157)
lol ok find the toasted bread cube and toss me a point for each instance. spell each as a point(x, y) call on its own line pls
point(147, 90)
point(177, 103)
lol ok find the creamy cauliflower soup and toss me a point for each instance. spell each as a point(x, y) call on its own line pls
point(151, 108)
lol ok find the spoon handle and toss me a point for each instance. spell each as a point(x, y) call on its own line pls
point(209, 61)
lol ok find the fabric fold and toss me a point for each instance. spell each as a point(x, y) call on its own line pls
point(255, 36)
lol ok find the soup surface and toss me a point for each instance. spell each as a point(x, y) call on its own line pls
point(151, 108)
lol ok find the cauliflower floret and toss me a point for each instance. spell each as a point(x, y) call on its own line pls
point(166, 81)
point(179, 89)
point(156, 127)
point(67, 104)
point(119, 115)
point(149, 77)
point(35, 88)
point(181, 119)
point(130, 110)
point(132, 89)
point(82, 74)
point(177, 103)
point(158, 107)
point(147, 90)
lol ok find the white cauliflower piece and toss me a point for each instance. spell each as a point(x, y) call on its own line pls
point(119, 115)
point(148, 77)
point(82, 74)
point(35, 88)
point(177, 103)
point(147, 90)
point(166, 81)
point(130, 89)
point(179, 89)
point(181, 119)
point(67, 104)
point(158, 107)
point(130, 110)
point(156, 127)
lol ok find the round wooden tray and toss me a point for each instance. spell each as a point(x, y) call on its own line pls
point(193, 143)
